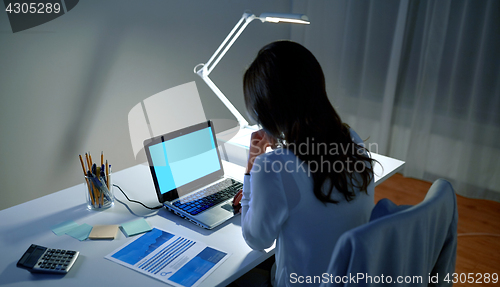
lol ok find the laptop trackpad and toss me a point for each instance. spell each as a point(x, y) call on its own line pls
point(228, 207)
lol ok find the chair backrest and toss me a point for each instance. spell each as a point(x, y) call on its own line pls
point(413, 246)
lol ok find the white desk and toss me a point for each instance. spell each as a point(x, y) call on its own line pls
point(30, 222)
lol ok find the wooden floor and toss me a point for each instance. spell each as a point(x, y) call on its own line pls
point(477, 254)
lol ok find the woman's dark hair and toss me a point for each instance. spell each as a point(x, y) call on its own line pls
point(285, 93)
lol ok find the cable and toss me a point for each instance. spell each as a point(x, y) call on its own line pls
point(135, 201)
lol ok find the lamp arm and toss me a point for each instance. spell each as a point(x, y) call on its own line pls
point(207, 68)
point(241, 120)
point(233, 35)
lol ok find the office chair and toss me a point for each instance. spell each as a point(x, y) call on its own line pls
point(401, 245)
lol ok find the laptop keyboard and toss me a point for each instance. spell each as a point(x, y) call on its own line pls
point(209, 197)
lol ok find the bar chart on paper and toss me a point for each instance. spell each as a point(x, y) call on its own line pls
point(173, 259)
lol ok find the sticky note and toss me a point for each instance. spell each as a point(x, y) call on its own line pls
point(135, 227)
point(81, 232)
point(104, 232)
point(64, 227)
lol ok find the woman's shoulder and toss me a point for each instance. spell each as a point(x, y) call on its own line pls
point(355, 137)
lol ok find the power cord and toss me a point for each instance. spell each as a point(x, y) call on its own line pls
point(135, 201)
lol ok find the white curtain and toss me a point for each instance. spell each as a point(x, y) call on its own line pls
point(419, 79)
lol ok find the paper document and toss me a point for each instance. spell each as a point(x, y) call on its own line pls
point(173, 259)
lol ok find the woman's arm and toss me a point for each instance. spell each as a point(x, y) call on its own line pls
point(258, 144)
point(264, 207)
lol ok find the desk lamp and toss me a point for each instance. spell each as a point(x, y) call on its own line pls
point(204, 70)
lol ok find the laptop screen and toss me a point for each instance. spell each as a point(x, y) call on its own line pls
point(180, 161)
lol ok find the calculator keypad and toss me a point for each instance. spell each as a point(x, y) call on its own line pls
point(56, 261)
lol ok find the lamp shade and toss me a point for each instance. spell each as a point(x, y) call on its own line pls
point(284, 17)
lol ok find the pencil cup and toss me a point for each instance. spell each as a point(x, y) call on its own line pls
point(99, 192)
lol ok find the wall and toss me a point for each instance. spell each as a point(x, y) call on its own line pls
point(66, 86)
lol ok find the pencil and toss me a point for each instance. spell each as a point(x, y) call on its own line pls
point(88, 161)
point(89, 181)
point(83, 166)
point(86, 179)
point(102, 158)
point(91, 163)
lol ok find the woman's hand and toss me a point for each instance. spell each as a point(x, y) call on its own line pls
point(258, 144)
point(237, 202)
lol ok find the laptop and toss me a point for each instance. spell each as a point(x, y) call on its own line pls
point(188, 175)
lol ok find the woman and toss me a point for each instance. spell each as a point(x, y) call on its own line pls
point(317, 184)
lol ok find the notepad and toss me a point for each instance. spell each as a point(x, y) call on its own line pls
point(104, 232)
point(64, 227)
point(135, 227)
point(81, 232)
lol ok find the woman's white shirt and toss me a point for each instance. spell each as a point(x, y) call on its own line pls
point(279, 204)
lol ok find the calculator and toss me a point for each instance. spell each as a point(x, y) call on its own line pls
point(41, 259)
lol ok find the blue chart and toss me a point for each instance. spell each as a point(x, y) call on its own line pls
point(190, 273)
point(170, 258)
point(168, 254)
point(143, 246)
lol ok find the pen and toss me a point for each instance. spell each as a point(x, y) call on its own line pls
point(103, 177)
point(103, 188)
point(99, 185)
point(107, 174)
